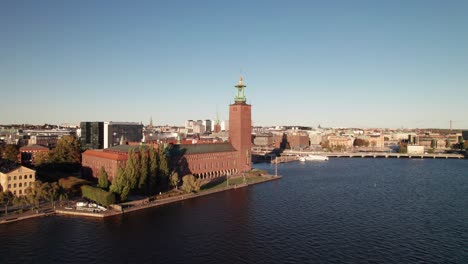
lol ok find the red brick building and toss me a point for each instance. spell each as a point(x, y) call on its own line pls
point(206, 160)
point(29, 153)
point(93, 159)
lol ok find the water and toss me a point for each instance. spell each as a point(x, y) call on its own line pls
point(340, 211)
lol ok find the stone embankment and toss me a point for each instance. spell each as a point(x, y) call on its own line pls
point(127, 207)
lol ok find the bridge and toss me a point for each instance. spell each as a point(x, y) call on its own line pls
point(375, 155)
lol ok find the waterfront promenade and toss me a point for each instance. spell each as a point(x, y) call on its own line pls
point(145, 203)
point(137, 205)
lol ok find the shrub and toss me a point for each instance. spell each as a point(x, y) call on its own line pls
point(190, 183)
point(71, 182)
point(98, 195)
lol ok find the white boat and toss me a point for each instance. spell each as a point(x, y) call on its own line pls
point(315, 157)
point(302, 159)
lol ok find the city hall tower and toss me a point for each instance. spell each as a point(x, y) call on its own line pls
point(240, 128)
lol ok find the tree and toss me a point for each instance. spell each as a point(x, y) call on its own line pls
point(19, 201)
point(35, 194)
point(462, 143)
point(433, 143)
point(54, 193)
point(325, 144)
point(403, 147)
point(6, 198)
point(152, 170)
point(143, 179)
point(30, 197)
point(163, 167)
point(98, 195)
point(132, 169)
point(66, 151)
point(190, 183)
point(174, 180)
point(103, 179)
point(62, 194)
point(120, 185)
point(45, 191)
point(41, 158)
point(11, 152)
point(447, 143)
point(359, 142)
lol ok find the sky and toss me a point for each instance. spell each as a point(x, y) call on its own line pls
point(330, 63)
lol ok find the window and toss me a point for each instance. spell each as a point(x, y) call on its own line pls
point(14, 178)
point(20, 191)
point(14, 185)
point(30, 176)
point(20, 185)
point(30, 184)
point(9, 186)
point(14, 192)
point(20, 177)
point(9, 178)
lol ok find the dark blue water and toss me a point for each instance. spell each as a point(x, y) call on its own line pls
point(340, 211)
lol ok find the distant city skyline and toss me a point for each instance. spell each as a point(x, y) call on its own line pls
point(338, 64)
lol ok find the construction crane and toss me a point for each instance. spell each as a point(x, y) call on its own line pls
point(451, 122)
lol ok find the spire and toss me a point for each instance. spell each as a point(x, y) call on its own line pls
point(151, 122)
point(217, 117)
point(240, 97)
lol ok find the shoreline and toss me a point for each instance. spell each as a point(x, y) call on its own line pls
point(134, 208)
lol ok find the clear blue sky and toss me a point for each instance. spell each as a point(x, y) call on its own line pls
point(334, 63)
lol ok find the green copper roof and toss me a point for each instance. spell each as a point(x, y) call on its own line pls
point(126, 148)
point(202, 148)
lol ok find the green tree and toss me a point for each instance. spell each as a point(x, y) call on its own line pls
point(45, 192)
point(103, 179)
point(11, 152)
point(403, 148)
point(54, 193)
point(30, 197)
point(152, 170)
point(6, 198)
point(19, 201)
point(67, 150)
point(174, 180)
point(41, 158)
point(120, 184)
point(447, 143)
point(98, 195)
point(190, 183)
point(359, 142)
point(163, 167)
point(37, 194)
point(131, 169)
point(433, 143)
point(62, 195)
point(462, 143)
point(143, 179)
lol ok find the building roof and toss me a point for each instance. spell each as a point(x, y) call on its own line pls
point(125, 148)
point(204, 148)
point(34, 147)
point(106, 155)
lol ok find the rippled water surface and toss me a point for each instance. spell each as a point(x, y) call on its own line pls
point(340, 211)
